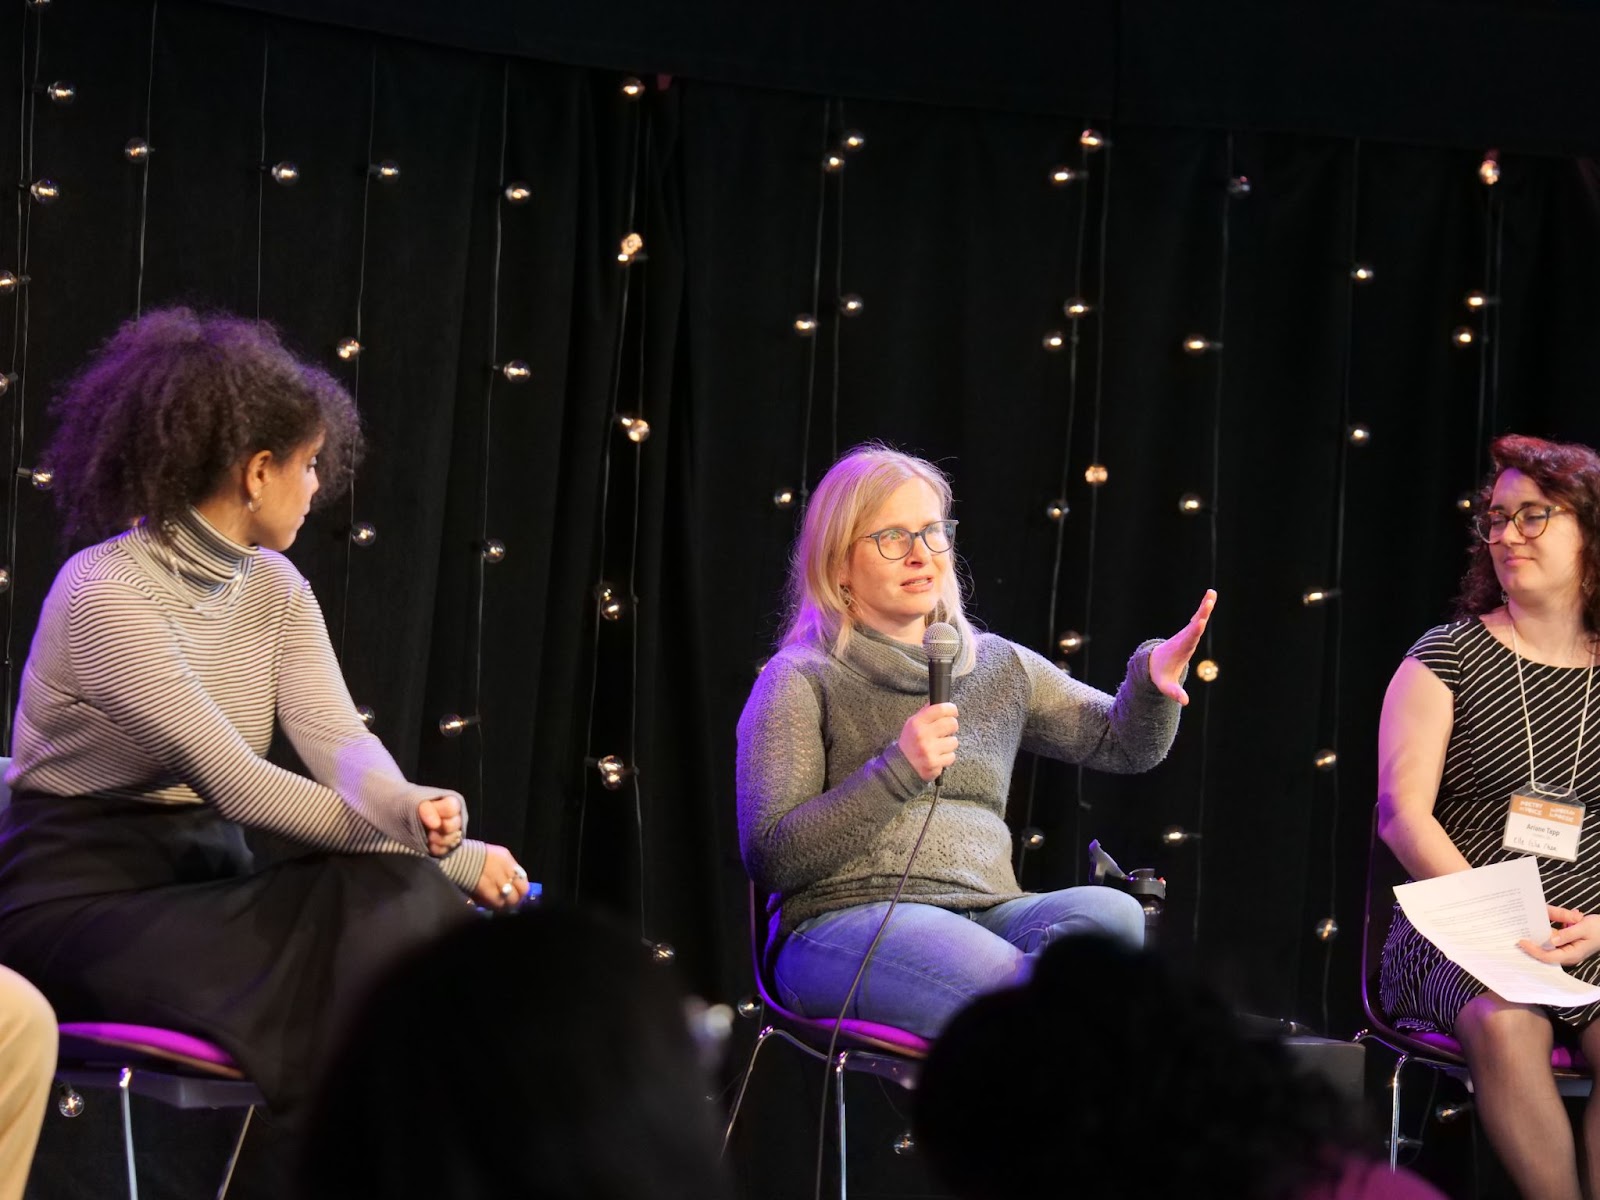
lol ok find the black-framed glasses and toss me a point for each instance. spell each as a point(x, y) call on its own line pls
point(895, 544)
point(1530, 521)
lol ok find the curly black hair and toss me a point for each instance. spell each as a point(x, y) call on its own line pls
point(1109, 1074)
point(1570, 475)
point(174, 399)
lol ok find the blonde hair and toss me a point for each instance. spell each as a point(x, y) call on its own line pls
point(854, 488)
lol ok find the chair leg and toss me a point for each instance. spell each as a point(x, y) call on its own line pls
point(838, 1081)
point(1394, 1113)
point(233, 1159)
point(124, 1083)
point(749, 1069)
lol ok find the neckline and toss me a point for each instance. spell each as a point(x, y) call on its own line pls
point(1532, 662)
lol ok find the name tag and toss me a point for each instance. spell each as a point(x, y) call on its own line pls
point(1546, 824)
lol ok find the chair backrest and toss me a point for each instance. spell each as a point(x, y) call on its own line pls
point(1383, 872)
point(5, 788)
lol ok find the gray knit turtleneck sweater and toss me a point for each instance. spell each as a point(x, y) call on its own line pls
point(829, 806)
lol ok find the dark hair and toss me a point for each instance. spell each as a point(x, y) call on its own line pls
point(1570, 475)
point(1108, 1070)
point(542, 1056)
point(171, 401)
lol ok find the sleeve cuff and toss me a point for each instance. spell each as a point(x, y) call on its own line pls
point(1139, 669)
point(899, 769)
point(463, 866)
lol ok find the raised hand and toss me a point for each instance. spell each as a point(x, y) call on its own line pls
point(1168, 660)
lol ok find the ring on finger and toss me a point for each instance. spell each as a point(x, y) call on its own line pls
point(508, 889)
point(519, 873)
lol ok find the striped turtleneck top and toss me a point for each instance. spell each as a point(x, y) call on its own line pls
point(158, 670)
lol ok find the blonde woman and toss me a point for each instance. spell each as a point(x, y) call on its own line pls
point(838, 750)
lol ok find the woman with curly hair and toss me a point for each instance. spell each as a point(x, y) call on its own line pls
point(163, 660)
point(1485, 715)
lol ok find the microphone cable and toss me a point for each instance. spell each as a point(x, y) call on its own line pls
point(838, 1022)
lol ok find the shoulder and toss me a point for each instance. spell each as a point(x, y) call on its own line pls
point(1445, 648)
point(995, 654)
point(103, 571)
point(273, 570)
point(787, 682)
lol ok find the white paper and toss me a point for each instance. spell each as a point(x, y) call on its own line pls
point(1477, 917)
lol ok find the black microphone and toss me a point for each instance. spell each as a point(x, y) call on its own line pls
point(940, 643)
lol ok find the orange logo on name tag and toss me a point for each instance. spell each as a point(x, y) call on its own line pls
point(1546, 810)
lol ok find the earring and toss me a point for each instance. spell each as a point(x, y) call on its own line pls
point(253, 503)
point(844, 590)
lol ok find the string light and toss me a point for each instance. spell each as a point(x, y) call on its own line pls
point(453, 725)
point(518, 192)
point(1064, 175)
point(1057, 510)
point(613, 771)
point(783, 498)
point(363, 534)
point(45, 191)
point(1033, 837)
point(368, 715)
point(1072, 641)
point(632, 87)
point(348, 349)
point(285, 174)
point(749, 1008)
point(1489, 168)
point(611, 605)
point(42, 478)
point(1190, 503)
point(631, 247)
point(1076, 308)
point(7, 378)
point(1465, 502)
point(1462, 336)
point(1476, 300)
point(805, 325)
point(1325, 760)
point(833, 163)
point(1096, 474)
point(515, 371)
point(1054, 340)
point(1239, 186)
point(1327, 929)
point(1093, 139)
point(1198, 344)
point(662, 953)
point(1177, 835)
point(493, 551)
point(637, 428)
point(386, 171)
point(851, 304)
point(1316, 596)
point(1361, 273)
point(5, 579)
point(10, 282)
point(1207, 670)
point(61, 92)
point(1358, 435)
point(137, 150)
point(854, 140)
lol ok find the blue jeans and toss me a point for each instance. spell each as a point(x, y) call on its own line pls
point(932, 961)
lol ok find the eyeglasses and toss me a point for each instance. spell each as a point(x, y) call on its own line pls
point(1529, 520)
point(895, 544)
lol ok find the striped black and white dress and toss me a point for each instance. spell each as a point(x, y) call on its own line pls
point(1485, 762)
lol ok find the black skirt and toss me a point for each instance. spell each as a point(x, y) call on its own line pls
point(150, 914)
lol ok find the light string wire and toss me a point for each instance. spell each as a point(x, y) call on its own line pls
point(1073, 346)
point(355, 382)
point(1080, 805)
point(633, 550)
point(480, 562)
point(261, 174)
point(21, 320)
point(816, 291)
point(1213, 525)
point(612, 413)
point(1335, 695)
point(144, 182)
point(838, 276)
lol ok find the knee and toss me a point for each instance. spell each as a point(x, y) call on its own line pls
point(1120, 917)
point(27, 1026)
point(1490, 1026)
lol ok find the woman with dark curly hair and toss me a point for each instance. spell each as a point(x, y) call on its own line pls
point(163, 660)
point(1487, 718)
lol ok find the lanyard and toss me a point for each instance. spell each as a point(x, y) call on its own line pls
point(1527, 724)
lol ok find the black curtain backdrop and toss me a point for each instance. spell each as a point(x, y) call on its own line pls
point(948, 227)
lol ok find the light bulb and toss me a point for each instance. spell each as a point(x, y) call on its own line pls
point(1064, 175)
point(518, 192)
point(1325, 760)
point(363, 534)
point(386, 171)
point(1358, 435)
point(1362, 273)
point(632, 87)
point(1207, 670)
point(493, 551)
point(348, 349)
point(1239, 186)
point(1054, 340)
point(805, 324)
point(137, 150)
point(783, 498)
point(516, 371)
point(1076, 308)
point(1095, 474)
point(850, 304)
point(45, 191)
point(285, 174)
point(1057, 510)
point(637, 428)
point(1190, 503)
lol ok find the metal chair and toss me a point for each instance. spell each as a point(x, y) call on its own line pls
point(864, 1046)
point(174, 1068)
point(1436, 1051)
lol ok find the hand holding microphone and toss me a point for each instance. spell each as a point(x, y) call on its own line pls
point(928, 739)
